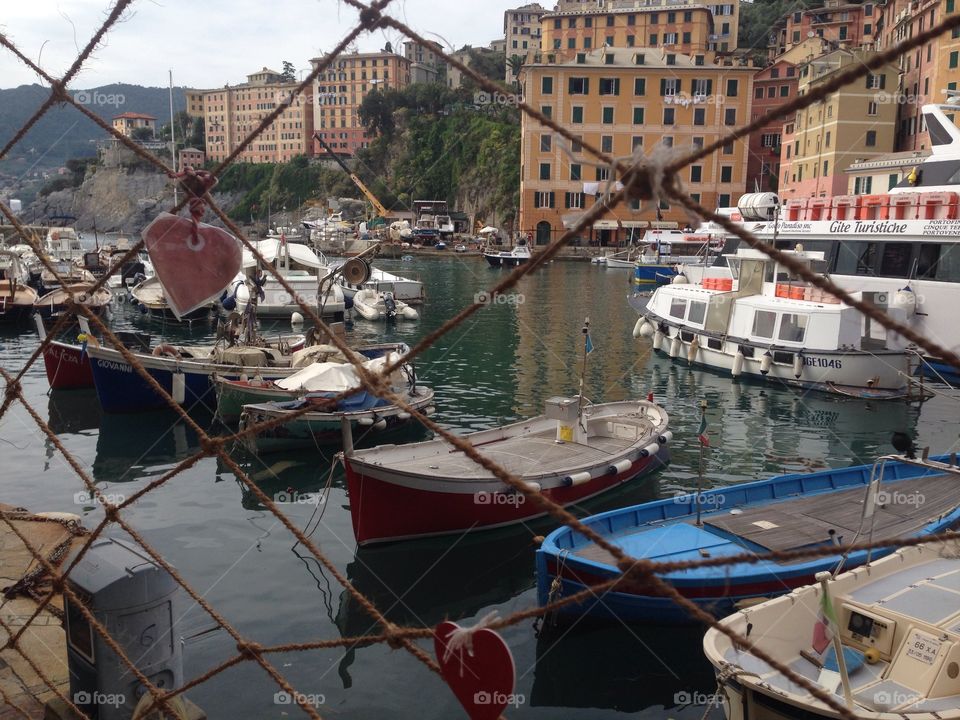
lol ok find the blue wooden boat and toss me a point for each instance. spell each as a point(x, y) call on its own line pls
point(782, 513)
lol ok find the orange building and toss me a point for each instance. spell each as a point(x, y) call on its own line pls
point(627, 101)
point(127, 122)
point(340, 91)
point(840, 23)
point(233, 112)
point(772, 86)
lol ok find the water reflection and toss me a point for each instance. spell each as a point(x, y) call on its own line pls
point(73, 411)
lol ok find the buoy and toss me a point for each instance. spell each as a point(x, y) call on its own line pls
point(765, 363)
point(692, 350)
point(906, 300)
point(380, 424)
point(296, 319)
point(658, 339)
point(871, 655)
point(679, 280)
point(737, 368)
point(538, 540)
point(797, 365)
point(638, 328)
point(675, 345)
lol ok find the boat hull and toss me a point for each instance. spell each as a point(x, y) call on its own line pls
point(67, 366)
point(505, 260)
point(652, 274)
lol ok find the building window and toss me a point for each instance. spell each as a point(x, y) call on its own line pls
point(686, 38)
point(871, 139)
point(771, 91)
point(577, 114)
point(571, 22)
point(732, 88)
point(730, 116)
point(699, 116)
point(575, 172)
point(877, 82)
point(607, 115)
point(588, 22)
point(653, 40)
point(546, 86)
point(670, 39)
point(867, 29)
point(668, 116)
point(610, 86)
point(723, 200)
point(770, 140)
point(579, 86)
point(571, 43)
point(688, 16)
point(631, 20)
point(726, 173)
point(546, 143)
point(547, 111)
point(828, 139)
point(544, 171)
point(606, 143)
point(574, 200)
point(587, 44)
point(758, 93)
point(543, 199)
point(640, 84)
point(696, 173)
point(636, 142)
point(638, 116)
point(826, 168)
point(669, 86)
point(728, 148)
point(609, 20)
point(654, 18)
point(954, 56)
point(671, 18)
point(630, 40)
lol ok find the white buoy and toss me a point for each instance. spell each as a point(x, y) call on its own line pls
point(737, 368)
point(797, 365)
point(638, 327)
point(765, 363)
point(906, 299)
point(658, 339)
point(296, 319)
point(679, 280)
point(380, 424)
point(675, 345)
point(692, 350)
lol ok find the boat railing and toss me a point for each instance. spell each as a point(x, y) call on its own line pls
point(899, 206)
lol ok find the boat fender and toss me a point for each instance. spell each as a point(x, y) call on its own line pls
point(765, 363)
point(658, 339)
point(577, 478)
point(797, 365)
point(365, 421)
point(675, 345)
point(905, 299)
point(737, 369)
point(532, 486)
point(642, 329)
point(403, 416)
point(380, 424)
point(429, 411)
point(666, 437)
point(679, 280)
point(166, 350)
point(651, 449)
point(178, 387)
point(619, 467)
point(296, 319)
point(692, 350)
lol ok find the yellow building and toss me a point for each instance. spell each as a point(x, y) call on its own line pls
point(624, 100)
point(127, 122)
point(521, 31)
point(231, 113)
point(686, 28)
point(853, 124)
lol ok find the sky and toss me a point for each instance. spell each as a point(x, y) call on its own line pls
point(209, 43)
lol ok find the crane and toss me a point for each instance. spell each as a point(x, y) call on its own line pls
point(377, 205)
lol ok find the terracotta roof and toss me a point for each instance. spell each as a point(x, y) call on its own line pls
point(134, 116)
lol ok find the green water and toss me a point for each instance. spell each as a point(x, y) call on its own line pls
point(499, 366)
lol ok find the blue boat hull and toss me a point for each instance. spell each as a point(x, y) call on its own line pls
point(654, 274)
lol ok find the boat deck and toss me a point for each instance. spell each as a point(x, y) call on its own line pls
point(801, 521)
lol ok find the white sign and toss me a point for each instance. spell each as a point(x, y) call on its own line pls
point(923, 647)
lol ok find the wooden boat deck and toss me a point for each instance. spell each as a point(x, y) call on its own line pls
point(800, 521)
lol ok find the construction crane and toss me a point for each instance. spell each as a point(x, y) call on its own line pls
point(377, 205)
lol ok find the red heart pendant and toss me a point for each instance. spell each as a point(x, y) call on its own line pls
point(480, 673)
point(194, 269)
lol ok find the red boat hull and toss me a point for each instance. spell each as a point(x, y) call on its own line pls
point(68, 366)
point(384, 511)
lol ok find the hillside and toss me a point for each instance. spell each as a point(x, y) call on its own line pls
point(63, 132)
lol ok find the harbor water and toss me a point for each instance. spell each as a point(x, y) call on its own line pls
point(500, 365)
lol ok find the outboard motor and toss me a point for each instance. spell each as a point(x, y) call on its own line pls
point(391, 305)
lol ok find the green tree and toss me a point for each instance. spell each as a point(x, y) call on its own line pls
point(289, 72)
point(516, 63)
point(143, 133)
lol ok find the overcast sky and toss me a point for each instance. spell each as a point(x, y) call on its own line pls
point(208, 43)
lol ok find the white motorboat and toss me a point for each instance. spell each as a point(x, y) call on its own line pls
point(16, 297)
point(895, 623)
point(301, 268)
point(382, 304)
point(406, 289)
point(509, 258)
point(761, 322)
point(63, 243)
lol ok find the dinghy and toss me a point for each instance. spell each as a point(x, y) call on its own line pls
point(380, 304)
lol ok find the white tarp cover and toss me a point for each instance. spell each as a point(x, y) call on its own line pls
point(271, 250)
point(332, 377)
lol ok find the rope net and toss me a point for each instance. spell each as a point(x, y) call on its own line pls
point(643, 178)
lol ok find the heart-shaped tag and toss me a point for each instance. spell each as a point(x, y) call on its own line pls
point(193, 269)
point(478, 668)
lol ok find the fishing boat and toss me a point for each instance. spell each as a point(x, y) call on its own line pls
point(409, 290)
point(793, 511)
point(382, 304)
point(327, 371)
point(894, 623)
point(362, 412)
point(148, 296)
point(67, 273)
point(763, 323)
point(509, 258)
point(663, 251)
point(57, 301)
point(17, 298)
point(574, 451)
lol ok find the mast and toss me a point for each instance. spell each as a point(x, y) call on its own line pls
point(173, 140)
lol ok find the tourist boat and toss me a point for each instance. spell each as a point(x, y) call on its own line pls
point(574, 451)
point(56, 301)
point(17, 298)
point(327, 371)
point(408, 290)
point(148, 296)
point(664, 250)
point(783, 513)
point(904, 239)
point(382, 304)
point(510, 258)
point(897, 625)
point(301, 268)
point(362, 412)
point(763, 324)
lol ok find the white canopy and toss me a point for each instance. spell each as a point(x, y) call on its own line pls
point(332, 377)
point(488, 229)
point(271, 250)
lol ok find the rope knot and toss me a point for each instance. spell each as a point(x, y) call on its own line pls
point(634, 569)
point(211, 446)
point(394, 639)
point(197, 183)
point(249, 649)
point(462, 638)
point(12, 390)
point(370, 18)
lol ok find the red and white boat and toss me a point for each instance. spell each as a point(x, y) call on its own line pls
point(573, 452)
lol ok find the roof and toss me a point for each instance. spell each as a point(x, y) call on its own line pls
point(191, 150)
point(627, 10)
point(133, 116)
point(625, 57)
point(903, 159)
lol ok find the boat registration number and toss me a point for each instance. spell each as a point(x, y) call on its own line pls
point(922, 647)
point(835, 363)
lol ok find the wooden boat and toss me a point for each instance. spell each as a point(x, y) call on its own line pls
point(362, 412)
point(430, 488)
point(324, 373)
point(382, 304)
point(56, 301)
point(16, 297)
point(763, 325)
point(897, 622)
point(70, 273)
point(509, 258)
point(149, 297)
point(782, 513)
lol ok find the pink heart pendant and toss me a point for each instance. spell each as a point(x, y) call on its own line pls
point(193, 270)
point(480, 672)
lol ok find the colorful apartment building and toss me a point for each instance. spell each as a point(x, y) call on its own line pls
point(127, 122)
point(851, 125)
point(772, 86)
point(926, 71)
point(625, 101)
point(842, 24)
point(340, 90)
point(231, 113)
point(426, 63)
point(521, 30)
